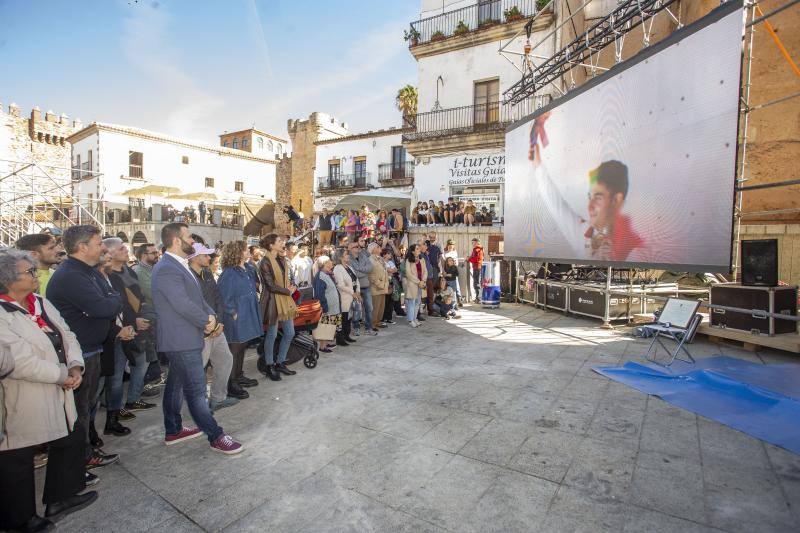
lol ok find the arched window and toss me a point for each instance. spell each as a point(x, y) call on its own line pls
point(244, 144)
point(235, 143)
point(280, 149)
point(260, 143)
point(269, 146)
point(225, 144)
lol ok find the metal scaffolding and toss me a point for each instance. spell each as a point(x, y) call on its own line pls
point(37, 197)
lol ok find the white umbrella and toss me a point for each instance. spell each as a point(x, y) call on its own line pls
point(376, 199)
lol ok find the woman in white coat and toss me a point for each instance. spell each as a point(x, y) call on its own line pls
point(415, 274)
point(349, 290)
point(37, 402)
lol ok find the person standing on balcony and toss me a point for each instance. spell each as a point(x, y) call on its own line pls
point(351, 226)
point(324, 224)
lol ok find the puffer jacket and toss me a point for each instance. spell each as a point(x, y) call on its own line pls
point(35, 407)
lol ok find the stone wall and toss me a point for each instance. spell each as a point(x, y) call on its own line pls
point(296, 178)
point(283, 194)
point(40, 138)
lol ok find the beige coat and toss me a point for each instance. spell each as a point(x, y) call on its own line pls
point(345, 285)
point(411, 281)
point(36, 409)
point(378, 277)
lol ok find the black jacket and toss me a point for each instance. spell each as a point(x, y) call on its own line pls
point(451, 273)
point(210, 291)
point(86, 301)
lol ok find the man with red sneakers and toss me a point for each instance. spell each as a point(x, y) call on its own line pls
point(183, 318)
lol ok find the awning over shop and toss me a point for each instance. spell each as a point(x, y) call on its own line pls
point(376, 199)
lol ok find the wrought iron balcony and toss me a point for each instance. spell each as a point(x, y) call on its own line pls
point(493, 116)
point(82, 172)
point(344, 181)
point(480, 15)
point(401, 172)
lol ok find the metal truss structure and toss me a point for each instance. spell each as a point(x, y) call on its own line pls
point(585, 48)
point(36, 197)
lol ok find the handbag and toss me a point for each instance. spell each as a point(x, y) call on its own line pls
point(324, 332)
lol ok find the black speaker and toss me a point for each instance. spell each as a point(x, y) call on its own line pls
point(760, 262)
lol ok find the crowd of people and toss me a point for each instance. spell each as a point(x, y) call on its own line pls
point(77, 315)
point(452, 213)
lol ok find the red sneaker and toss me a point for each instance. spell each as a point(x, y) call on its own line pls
point(227, 445)
point(184, 434)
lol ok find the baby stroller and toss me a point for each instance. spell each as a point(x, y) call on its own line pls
point(303, 344)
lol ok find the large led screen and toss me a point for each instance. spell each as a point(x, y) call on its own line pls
point(637, 167)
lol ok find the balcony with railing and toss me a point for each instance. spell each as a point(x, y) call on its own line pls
point(82, 172)
point(397, 174)
point(344, 183)
point(479, 118)
point(135, 172)
point(482, 15)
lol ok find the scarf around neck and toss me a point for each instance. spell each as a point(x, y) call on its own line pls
point(287, 310)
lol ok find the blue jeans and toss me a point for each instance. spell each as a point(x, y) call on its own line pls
point(456, 286)
point(442, 308)
point(283, 348)
point(187, 378)
point(366, 297)
point(412, 308)
point(114, 389)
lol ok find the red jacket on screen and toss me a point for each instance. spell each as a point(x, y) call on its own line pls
point(624, 239)
point(476, 257)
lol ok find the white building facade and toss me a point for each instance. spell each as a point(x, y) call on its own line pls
point(360, 162)
point(458, 135)
point(129, 158)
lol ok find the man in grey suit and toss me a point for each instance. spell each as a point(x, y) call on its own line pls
point(183, 319)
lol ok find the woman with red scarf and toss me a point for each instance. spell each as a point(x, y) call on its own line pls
point(37, 402)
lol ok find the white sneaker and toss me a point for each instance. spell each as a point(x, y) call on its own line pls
point(416, 323)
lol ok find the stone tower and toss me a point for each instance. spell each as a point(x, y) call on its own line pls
point(295, 176)
point(40, 138)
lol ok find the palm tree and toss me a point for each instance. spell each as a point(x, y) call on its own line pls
point(406, 102)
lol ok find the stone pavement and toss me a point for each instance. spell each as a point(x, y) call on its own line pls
point(494, 422)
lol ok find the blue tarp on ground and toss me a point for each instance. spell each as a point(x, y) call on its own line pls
point(760, 400)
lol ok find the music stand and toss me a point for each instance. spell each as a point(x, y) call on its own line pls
point(678, 321)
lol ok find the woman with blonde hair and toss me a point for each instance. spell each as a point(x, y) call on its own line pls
point(240, 319)
point(277, 305)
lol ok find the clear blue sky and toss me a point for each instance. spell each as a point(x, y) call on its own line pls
point(195, 68)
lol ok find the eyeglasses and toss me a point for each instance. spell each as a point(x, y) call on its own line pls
point(31, 271)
